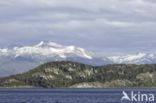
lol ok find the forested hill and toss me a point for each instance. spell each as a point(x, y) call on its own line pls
point(76, 75)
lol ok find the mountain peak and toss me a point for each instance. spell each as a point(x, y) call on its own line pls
point(40, 44)
point(48, 50)
point(55, 48)
point(137, 58)
point(48, 44)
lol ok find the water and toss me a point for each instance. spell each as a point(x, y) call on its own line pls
point(66, 95)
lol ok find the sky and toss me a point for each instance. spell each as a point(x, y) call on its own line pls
point(108, 27)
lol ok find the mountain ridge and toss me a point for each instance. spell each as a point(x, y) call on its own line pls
point(66, 74)
point(49, 48)
point(52, 48)
point(21, 59)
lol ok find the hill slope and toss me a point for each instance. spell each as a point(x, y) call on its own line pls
point(71, 74)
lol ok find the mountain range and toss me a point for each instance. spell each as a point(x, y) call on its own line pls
point(16, 60)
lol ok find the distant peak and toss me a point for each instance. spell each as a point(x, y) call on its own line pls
point(51, 49)
point(40, 44)
point(48, 44)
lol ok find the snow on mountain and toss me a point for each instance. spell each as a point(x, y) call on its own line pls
point(48, 49)
point(48, 44)
point(138, 58)
point(21, 59)
point(3, 50)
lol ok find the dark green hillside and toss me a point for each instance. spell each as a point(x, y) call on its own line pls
point(71, 74)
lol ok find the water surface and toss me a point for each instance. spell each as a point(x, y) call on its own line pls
point(66, 95)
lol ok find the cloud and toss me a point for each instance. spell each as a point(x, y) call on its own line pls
point(101, 25)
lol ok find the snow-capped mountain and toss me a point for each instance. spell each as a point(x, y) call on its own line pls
point(47, 49)
point(138, 58)
point(20, 59)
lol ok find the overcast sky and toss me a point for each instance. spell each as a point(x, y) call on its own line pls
point(104, 26)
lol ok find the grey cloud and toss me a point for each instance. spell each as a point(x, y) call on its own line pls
point(101, 25)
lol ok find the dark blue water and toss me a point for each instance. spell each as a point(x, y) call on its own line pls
point(67, 95)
